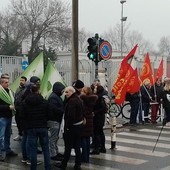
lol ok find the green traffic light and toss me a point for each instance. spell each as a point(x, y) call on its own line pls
point(91, 56)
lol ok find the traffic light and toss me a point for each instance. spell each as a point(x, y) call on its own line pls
point(92, 49)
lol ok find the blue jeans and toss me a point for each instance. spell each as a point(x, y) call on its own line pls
point(5, 134)
point(85, 144)
point(24, 147)
point(33, 135)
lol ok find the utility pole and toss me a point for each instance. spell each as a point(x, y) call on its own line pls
point(74, 61)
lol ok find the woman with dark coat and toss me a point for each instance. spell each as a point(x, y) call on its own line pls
point(100, 109)
point(89, 101)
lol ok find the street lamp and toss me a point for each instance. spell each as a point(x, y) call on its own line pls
point(122, 20)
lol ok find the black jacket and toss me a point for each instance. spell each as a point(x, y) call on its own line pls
point(74, 111)
point(35, 111)
point(55, 103)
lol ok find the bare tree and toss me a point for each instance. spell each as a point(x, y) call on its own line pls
point(42, 18)
point(83, 36)
point(164, 46)
point(12, 33)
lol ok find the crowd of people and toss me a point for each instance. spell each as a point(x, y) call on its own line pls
point(150, 98)
point(77, 112)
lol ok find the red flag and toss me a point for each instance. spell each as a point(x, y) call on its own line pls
point(120, 97)
point(159, 71)
point(146, 72)
point(125, 64)
point(134, 84)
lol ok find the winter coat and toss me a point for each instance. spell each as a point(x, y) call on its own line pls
point(99, 111)
point(4, 108)
point(166, 99)
point(74, 111)
point(145, 94)
point(35, 111)
point(158, 90)
point(56, 104)
point(88, 103)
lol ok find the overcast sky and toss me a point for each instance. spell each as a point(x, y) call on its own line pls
point(151, 18)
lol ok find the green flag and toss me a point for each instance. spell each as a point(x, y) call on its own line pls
point(36, 68)
point(7, 97)
point(51, 76)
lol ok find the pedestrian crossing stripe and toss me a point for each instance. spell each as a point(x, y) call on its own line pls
point(141, 151)
point(141, 142)
point(144, 136)
point(165, 168)
point(120, 159)
point(88, 166)
point(155, 131)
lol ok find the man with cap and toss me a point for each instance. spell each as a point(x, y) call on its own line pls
point(78, 85)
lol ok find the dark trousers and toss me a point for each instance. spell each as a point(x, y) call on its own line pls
point(134, 112)
point(19, 123)
point(99, 137)
point(72, 139)
point(85, 144)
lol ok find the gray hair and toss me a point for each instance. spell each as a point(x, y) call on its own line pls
point(70, 88)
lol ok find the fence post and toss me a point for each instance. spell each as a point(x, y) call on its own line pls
point(113, 132)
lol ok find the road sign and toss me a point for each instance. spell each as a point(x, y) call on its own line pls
point(105, 50)
point(24, 65)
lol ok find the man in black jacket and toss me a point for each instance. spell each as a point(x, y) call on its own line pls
point(35, 111)
point(6, 109)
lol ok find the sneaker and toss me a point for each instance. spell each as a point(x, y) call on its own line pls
point(24, 161)
point(28, 162)
point(12, 153)
point(56, 158)
point(60, 166)
point(60, 155)
point(77, 167)
point(102, 150)
point(17, 138)
point(39, 151)
point(95, 152)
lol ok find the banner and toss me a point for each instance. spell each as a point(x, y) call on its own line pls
point(36, 68)
point(51, 76)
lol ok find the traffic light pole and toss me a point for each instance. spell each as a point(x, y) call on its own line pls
point(97, 57)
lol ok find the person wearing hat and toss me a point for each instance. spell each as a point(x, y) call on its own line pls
point(78, 85)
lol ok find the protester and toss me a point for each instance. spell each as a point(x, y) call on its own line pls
point(156, 93)
point(6, 112)
point(35, 111)
point(73, 124)
point(55, 117)
point(78, 85)
point(146, 98)
point(89, 101)
point(166, 101)
point(100, 109)
point(134, 100)
point(34, 80)
point(18, 100)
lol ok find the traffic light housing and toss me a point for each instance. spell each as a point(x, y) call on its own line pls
point(92, 49)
